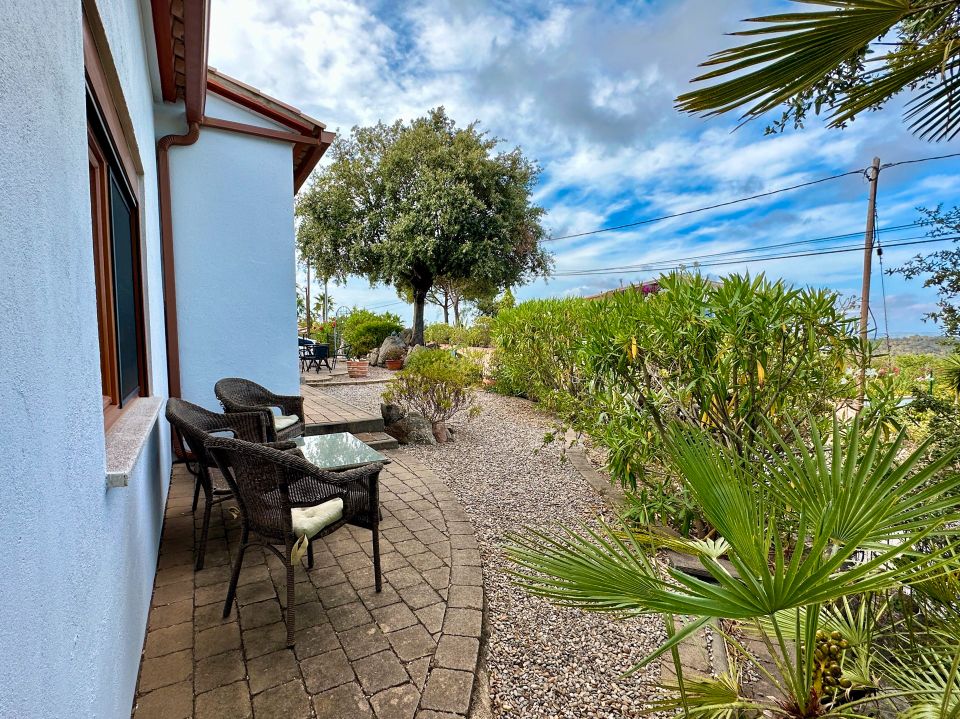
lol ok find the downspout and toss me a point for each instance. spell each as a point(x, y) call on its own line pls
point(166, 244)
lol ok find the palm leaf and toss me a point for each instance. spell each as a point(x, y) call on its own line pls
point(606, 569)
point(796, 52)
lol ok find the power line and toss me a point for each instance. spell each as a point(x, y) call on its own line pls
point(737, 261)
point(921, 159)
point(673, 263)
point(829, 238)
point(745, 199)
point(704, 209)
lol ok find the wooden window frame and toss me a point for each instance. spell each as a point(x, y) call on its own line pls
point(111, 162)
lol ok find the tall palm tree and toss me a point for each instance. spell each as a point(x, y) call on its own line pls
point(850, 518)
point(850, 56)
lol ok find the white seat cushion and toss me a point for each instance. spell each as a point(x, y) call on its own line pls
point(282, 421)
point(310, 520)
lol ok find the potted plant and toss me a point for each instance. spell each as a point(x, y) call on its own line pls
point(357, 368)
point(393, 358)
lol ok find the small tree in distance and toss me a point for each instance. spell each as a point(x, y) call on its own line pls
point(407, 204)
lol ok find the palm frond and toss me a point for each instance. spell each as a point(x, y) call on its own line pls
point(796, 52)
point(928, 679)
point(950, 371)
point(707, 698)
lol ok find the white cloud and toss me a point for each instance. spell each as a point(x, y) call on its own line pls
point(587, 89)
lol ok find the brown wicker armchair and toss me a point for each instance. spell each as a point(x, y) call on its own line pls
point(282, 497)
point(242, 395)
point(193, 426)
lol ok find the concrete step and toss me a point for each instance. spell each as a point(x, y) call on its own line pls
point(378, 440)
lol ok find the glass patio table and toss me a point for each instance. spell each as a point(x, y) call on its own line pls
point(337, 452)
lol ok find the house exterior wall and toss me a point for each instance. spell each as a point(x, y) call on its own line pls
point(232, 200)
point(77, 560)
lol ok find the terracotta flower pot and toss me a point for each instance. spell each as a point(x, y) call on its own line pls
point(357, 368)
point(395, 364)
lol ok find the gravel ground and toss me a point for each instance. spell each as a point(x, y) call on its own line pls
point(544, 662)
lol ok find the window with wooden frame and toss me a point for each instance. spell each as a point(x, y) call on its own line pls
point(117, 269)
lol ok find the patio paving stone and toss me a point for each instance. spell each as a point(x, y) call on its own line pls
point(398, 654)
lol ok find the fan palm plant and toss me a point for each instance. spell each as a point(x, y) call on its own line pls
point(849, 56)
point(803, 530)
point(950, 370)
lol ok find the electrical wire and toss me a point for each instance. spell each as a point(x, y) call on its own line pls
point(737, 261)
point(704, 209)
point(740, 200)
point(829, 238)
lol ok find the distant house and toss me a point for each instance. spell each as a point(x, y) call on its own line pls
point(146, 250)
point(647, 287)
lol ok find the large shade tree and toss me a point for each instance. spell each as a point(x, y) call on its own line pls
point(410, 204)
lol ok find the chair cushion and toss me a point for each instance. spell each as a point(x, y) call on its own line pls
point(310, 520)
point(282, 421)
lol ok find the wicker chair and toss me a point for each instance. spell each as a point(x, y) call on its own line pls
point(242, 395)
point(193, 426)
point(282, 497)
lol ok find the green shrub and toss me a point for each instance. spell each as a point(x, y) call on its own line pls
point(477, 335)
point(725, 357)
point(440, 333)
point(536, 348)
point(439, 361)
point(437, 384)
point(364, 330)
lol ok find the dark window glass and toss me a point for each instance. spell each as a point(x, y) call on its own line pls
point(125, 287)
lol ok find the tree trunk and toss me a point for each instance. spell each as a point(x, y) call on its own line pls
point(456, 311)
point(446, 310)
point(419, 300)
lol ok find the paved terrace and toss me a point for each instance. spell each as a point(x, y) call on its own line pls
point(410, 651)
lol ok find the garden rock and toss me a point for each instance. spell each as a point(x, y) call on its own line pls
point(393, 342)
point(392, 413)
point(407, 336)
point(412, 429)
point(373, 357)
point(413, 350)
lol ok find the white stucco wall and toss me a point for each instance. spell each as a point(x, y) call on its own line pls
point(76, 559)
point(234, 248)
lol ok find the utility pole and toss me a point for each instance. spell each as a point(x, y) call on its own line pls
point(867, 266)
point(309, 319)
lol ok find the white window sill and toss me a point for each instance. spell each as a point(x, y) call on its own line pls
point(126, 438)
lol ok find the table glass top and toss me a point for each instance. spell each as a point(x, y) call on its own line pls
point(338, 451)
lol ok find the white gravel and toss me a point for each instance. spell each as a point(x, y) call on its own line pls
point(544, 661)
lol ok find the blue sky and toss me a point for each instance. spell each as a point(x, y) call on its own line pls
point(587, 89)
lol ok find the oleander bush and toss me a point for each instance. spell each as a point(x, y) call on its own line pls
point(537, 352)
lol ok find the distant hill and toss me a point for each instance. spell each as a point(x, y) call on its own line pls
point(919, 344)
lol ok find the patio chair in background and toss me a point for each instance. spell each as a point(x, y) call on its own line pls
point(283, 497)
point(318, 355)
point(242, 395)
point(193, 426)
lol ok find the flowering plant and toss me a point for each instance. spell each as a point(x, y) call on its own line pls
point(324, 332)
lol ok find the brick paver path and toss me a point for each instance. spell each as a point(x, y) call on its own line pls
point(410, 651)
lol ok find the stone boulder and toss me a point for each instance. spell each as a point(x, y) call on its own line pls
point(412, 351)
point(392, 342)
point(407, 336)
point(412, 429)
point(373, 357)
point(391, 413)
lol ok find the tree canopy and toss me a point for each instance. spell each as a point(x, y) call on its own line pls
point(850, 56)
point(411, 204)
